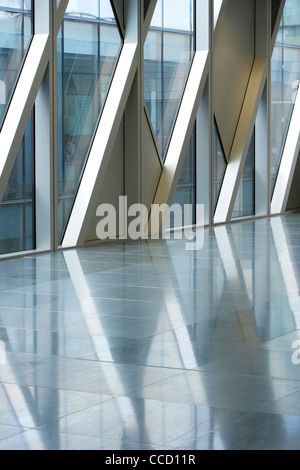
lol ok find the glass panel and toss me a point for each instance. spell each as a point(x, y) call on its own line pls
point(88, 50)
point(17, 226)
point(15, 35)
point(219, 165)
point(245, 205)
point(169, 50)
point(186, 188)
point(285, 76)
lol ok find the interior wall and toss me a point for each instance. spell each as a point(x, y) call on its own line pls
point(113, 186)
point(233, 60)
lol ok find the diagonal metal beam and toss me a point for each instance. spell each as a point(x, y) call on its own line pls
point(183, 129)
point(118, 8)
point(288, 163)
point(277, 23)
point(61, 10)
point(241, 142)
point(108, 127)
point(148, 18)
point(21, 105)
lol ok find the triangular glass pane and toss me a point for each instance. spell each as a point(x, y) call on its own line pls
point(219, 165)
point(285, 74)
point(89, 45)
point(245, 201)
point(186, 188)
point(17, 226)
point(16, 27)
point(169, 50)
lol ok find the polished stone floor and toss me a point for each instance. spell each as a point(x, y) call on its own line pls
point(152, 346)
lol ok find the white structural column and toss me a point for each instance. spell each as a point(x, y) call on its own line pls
point(21, 105)
point(48, 19)
point(105, 136)
point(241, 142)
point(288, 163)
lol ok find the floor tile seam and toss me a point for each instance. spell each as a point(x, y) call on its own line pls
point(102, 284)
point(67, 415)
point(71, 312)
point(13, 380)
point(38, 308)
point(57, 295)
point(219, 427)
point(9, 381)
point(66, 333)
point(203, 402)
point(236, 375)
point(103, 437)
point(180, 371)
point(24, 430)
point(45, 388)
point(289, 394)
point(137, 444)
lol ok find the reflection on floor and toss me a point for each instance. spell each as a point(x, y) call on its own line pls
point(150, 346)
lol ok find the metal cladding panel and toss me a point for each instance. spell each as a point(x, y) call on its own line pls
point(152, 168)
point(233, 60)
point(113, 185)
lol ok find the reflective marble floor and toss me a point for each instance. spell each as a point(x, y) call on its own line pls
point(151, 346)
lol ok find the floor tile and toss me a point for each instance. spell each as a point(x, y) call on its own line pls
point(145, 345)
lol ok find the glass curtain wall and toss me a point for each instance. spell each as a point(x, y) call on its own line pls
point(16, 28)
point(89, 44)
point(169, 50)
point(17, 208)
point(285, 75)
